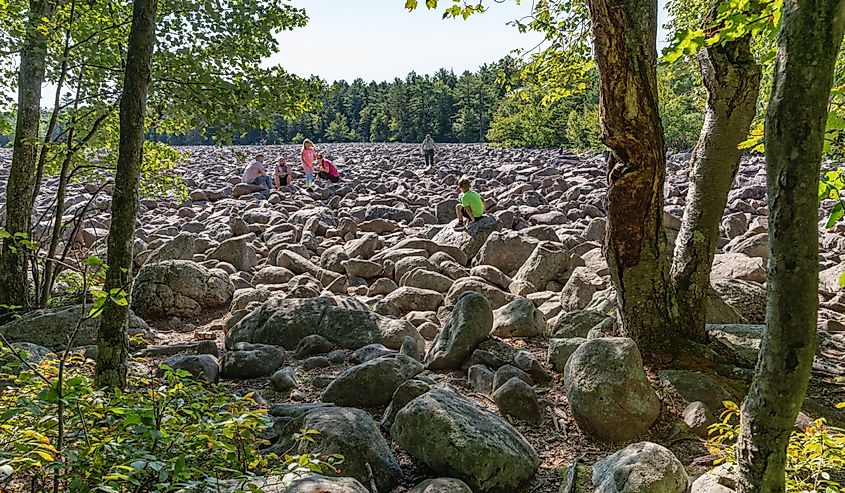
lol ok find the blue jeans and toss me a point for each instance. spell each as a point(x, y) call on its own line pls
point(263, 180)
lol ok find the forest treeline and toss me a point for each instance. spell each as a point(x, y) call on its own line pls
point(492, 104)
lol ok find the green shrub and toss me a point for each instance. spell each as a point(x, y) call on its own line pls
point(164, 434)
point(815, 457)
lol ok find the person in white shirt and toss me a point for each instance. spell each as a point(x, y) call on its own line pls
point(254, 173)
point(428, 150)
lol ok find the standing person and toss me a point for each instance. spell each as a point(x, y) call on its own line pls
point(282, 177)
point(470, 204)
point(254, 173)
point(308, 155)
point(428, 150)
point(328, 171)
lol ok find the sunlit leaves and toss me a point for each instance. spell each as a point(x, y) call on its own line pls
point(754, 142)
point(162, 435)
point(832, 187)
point(815, 455)
point(734, 20)
point(686, 42)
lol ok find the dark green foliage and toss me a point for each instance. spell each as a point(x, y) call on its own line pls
point(160, 435)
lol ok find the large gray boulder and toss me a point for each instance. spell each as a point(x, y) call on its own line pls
point(236, 251)
point(441, 485)
point(455, 437)
point(203, 367)
point(548, 262)
point(722, 479)
point(407, 299)
point(639, 468)
point(576, 323)
point(746, 297)
point(425, 279)
point(179, 288)
point(315, 483)
point(472, 237)
point(285, 322)
point(181, 247)
point(347, 431)
point(519, 318)
point(469, 325)
point(697, 386)
point(372, 383)
point(506, 250)
point(608, 390)
point(738, 266)
point(561, 349)
point(247, 360)
point(517, 399)
point(52, 327)
point(494, 295)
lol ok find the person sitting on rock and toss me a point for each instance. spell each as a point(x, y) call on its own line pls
point(282, 176)
point(470, 204)
point(254, 173)
point(328, 171)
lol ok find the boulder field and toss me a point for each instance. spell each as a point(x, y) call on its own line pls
point(434, 358)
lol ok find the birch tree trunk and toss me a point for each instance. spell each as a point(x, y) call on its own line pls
point(732, 79)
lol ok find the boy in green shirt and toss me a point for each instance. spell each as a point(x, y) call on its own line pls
point(470, 204)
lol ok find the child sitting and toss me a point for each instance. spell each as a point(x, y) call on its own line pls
point(470, 204)
point(328, 171)
point(282, 176)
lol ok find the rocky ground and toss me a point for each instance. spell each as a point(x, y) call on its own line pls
point(422, 351)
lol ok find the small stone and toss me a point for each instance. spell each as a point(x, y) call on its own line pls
point(410, 348)
point(517, 399)
point(208, 347)
point(481, 378)
point(284, 379)
point(315, 362)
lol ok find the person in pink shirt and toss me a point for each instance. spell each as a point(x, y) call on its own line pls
point(308, 154)
point(328, 171)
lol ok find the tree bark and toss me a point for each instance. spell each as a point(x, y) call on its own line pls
point(112, 341)
point(625, 40)
point(14, 280)
point(810, 36)
point(732, 79)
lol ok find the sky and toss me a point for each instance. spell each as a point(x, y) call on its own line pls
point(379, 40)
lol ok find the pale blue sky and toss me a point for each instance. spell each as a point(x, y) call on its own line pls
point(380, 40)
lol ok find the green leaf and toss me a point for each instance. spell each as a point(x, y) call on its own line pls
point(842, 284)
point(835, 215)
point(410, 4)
point(92, 261)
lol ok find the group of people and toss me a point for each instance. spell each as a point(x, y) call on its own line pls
point(311, 159)
point(470, 207)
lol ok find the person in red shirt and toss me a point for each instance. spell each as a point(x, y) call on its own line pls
point(328, 171)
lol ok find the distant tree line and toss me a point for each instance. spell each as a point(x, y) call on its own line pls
point(493, 104)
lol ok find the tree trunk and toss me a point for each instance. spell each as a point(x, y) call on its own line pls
point(809, 39)
point(111, 336)
point(732, 79)
point(625, 39)
point(14, 280)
